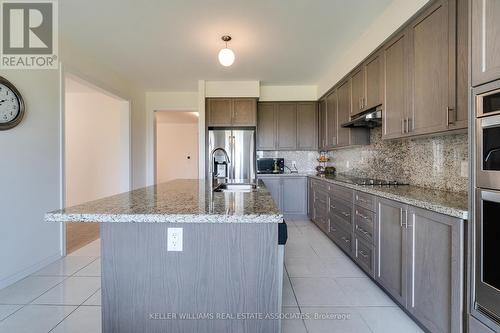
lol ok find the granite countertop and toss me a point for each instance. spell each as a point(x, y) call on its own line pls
point(177, 201)
point(448, 203)
point(286, 174)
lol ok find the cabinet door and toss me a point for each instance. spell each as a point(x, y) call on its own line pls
point(459, 118)
point(307, 126)
point(391, 245)
point(294, 194)
point(435, 278)
point(395, 87)
point(322, 124)
point(432, 69)
point(358, 90)
point(485, 41)
point(266, 126)
point(219, 112)
point(310, 198)
point(344, 110)
point(287, 126)
point(331, 120)
point(244, 112)
point(273, 185)
point(373, 72)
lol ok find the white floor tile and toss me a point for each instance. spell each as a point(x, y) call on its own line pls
point(35, 319)
point(307, 267)
point(85, 319)
point(342, 266)
point(288, 298)
point(93, 269)
point(334, 320)
point(90, 250)
point(65, 266)
point(94, 299)
point(292, 322)
point(299, 249)
point(364, 292)
point(388, 320)
point(318, 292)
point(7, 310)
point(26, 290)
point(73, 291)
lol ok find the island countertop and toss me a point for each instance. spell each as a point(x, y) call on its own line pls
point(177, 201)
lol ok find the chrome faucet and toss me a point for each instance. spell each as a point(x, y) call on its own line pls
point(214, 170)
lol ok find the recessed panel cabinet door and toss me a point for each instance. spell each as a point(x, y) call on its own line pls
point(220, 112)
point(358, 91)
point(273, 185)
point(344, 110)
point(307, 126)
point(331, 119)
point(432, 60)
point(485, 41)
point(373, 72)
point(322, 124)
point(391, 247)
point(395, 87)
point(287, 126)
point(244, 112)
point(266, 127)
point(294, 193)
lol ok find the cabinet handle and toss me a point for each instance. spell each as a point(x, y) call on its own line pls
point(361, 200)
point(363, 254)
point(345, 239)
point(410, 125)
point(448, 118)
point(361, 215)
point(403, 127)
point(364, 232)
point(345, 214)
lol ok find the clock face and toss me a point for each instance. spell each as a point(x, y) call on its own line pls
point(9, 105)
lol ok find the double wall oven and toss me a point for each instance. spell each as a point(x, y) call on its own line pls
point(487, 201)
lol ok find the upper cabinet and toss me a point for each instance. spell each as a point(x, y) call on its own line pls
point(287, 126)
point(366, 85)
point(331, 119)
point(231, 112)
point(358, 90)
point(485, 41)
point(322, 124)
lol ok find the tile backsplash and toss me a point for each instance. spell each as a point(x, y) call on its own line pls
point(434, 162)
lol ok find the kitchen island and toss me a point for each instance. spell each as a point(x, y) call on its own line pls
point(222, 273)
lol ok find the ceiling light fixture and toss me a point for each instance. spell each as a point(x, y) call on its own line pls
point(226, 55)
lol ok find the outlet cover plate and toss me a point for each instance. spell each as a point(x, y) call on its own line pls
point(174, 239)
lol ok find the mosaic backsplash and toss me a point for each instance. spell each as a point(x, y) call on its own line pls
point(434, 162)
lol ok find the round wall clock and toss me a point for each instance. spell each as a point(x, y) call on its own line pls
point(11, 105)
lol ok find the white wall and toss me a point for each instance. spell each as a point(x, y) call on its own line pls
point(232, 89)
point(396, 14)
point(97, 146)
point(176, 138)
point(288, 93)
point(30, 177)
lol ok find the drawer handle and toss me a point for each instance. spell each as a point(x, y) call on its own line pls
point(345, 239)
point(364, 232)
point(345, 214)
point(333, 207)
point(361, 215)
point(363, 254)
point(362, 200)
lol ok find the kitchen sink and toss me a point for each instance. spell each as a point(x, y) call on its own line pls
point(224, 187)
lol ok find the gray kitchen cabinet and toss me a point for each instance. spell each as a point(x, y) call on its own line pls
point(358, 90)
point(432, 59)
point(373, 77)
point(307, 126)
point(289, 193)
point(434, 271)
point(286, 126)
point(485, 39)
point(391, 249)
point(231, 112)
point(266, 126)
point(331, 119)
point(322, 124)
point(343, 113)
point(310, 198)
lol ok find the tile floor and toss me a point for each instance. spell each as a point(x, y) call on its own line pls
point(323, 291)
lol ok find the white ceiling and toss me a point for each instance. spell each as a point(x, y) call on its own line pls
point(170, 44)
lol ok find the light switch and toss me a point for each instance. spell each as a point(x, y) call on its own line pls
point(174, 239)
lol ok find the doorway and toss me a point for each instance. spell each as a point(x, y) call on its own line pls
point(176, 145)
point(97, 151)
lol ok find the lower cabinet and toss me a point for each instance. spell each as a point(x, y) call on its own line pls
point(289, 193)
point(414, 254)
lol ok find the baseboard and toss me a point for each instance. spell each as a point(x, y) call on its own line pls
point(29, 270)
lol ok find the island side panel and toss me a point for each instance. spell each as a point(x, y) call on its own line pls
point(224, 269)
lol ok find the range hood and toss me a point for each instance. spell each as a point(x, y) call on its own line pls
point(369, 119)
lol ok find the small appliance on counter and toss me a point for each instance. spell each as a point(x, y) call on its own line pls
point(270, 165)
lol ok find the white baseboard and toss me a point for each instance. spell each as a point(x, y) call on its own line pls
point(29, 270)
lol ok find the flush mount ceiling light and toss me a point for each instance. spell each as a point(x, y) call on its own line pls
point(226, 55)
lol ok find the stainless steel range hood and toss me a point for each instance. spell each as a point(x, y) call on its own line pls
point(369, 119)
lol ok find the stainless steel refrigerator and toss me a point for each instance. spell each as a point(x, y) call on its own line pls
point(240, 147)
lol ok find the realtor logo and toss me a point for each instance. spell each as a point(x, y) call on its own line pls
point(29, 35)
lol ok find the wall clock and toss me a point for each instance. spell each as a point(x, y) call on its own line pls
point(11, 105)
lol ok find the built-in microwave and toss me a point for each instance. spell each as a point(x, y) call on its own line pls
point(487, 99)
point(487, 274)
point(488, 152)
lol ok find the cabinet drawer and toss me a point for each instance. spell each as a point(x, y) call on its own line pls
point(364, 255)
point(365, 200)
point(320, 184)
point(363, 223)
point(342, 238)
point(341, 192)
point(341, 212)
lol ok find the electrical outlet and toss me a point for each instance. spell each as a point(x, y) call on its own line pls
point(464, 169)
point(174, 239)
